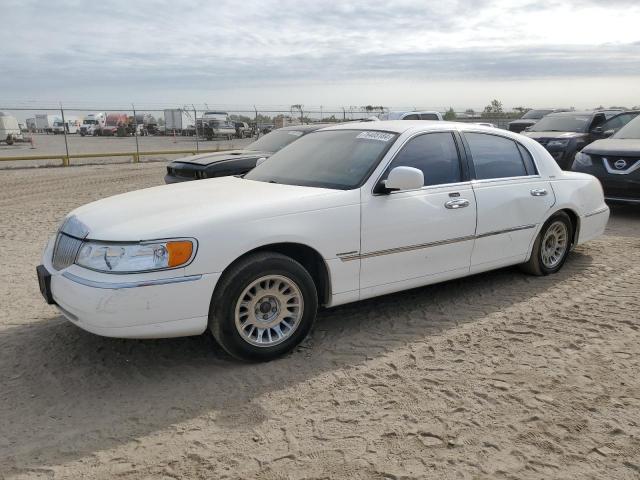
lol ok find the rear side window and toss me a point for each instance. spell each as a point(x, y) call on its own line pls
point(494, 156)
point(528, 160)
point(433, 153)
point(428, 116)
point(413, 116)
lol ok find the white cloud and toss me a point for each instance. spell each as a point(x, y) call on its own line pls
point(116, 49)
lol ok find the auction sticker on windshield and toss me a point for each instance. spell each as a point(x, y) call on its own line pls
point(380, 136)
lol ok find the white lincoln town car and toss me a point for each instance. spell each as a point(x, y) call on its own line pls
point(343, 214)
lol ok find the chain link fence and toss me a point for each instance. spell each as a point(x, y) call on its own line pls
point(72, 134)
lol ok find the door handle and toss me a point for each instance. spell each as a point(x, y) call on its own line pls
point(539, 192)
point(455, 204)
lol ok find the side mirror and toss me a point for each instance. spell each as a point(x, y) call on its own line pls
point(403, 178)
point(261, 160)
point(608, 133)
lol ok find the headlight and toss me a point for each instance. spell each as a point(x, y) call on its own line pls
point(135, 257)
point(582, 160)
point(558, 143)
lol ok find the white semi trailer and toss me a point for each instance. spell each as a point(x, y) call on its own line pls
point(44, 122)
point(92, 123)
point(180, 121)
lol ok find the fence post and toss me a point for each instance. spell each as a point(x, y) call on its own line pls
point(136, 157)
point(195, 125)
point(65, 160)
point(256, 118)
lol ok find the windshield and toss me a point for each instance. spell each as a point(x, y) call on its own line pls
point(339, 159)
point(562, 123)
point(630, 131)
point(274, 141)
point(89, 122)
point(536, 114)
point(57, 124)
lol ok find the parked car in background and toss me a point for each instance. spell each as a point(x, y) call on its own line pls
point(566, 133)
point(343, 214)
point(235, 162)
point(425, 115)
point(92, 123)
point(615, 161)
point(530, 118)
point(243, 130)
point(10, 131)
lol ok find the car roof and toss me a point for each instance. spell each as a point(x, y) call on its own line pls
point(582, 113)
point(304, 128)
point(401, 126)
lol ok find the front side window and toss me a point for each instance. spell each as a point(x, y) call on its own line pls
point(413, 116)
point(494, 156)
point(428, 116)
point(338, 159)
point(433, 153)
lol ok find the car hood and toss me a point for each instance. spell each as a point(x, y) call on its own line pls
point(536, 135)
point(185, 209)
point(614, 146)
point(209, 158)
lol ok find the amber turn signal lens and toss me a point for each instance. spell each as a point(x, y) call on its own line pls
point(179, 252)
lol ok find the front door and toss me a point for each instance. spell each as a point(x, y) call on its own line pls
point(412, 238)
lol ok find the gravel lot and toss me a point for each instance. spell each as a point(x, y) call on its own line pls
point(499, 375)
point(54, 145)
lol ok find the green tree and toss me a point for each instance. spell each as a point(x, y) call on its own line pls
point(450, 114)
point(494, 107)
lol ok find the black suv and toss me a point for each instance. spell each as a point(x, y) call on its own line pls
point(616, 163)
point(564, 134)
point(530, 118)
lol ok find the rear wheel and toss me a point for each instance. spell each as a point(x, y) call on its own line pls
point(263, 307)
point(551, 247)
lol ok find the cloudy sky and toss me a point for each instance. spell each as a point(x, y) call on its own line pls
point(459, 53)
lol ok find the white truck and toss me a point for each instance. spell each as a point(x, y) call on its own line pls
point(180, 121)
point(9, 129)
point(44, 122)
point(92, 124)
point(71, 124)
point(216, 124)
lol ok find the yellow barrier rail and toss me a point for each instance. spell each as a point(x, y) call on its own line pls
point(66, 159)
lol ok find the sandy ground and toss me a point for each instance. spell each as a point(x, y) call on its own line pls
point(499, 375)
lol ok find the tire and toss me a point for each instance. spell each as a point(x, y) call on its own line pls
point(235, 324)
point(541, 263)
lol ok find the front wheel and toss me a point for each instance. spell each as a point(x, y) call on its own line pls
point(263, 307)
point(551, 247)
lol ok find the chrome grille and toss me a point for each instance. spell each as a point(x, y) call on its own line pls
point(65, 251)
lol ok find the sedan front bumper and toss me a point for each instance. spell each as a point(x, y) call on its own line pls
point(132, 306)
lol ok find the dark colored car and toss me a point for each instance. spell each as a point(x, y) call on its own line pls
point(528, 119)
point(235, 162)
point(615, 162)
point(566, 133)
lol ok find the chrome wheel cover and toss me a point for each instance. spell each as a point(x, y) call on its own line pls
point(269, 311)
point(554, 244)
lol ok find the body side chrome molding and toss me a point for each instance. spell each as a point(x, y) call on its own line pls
point(408, 248)
point(119, 285)
point(597, 212)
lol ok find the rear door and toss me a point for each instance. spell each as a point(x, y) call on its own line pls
point(512, 199)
